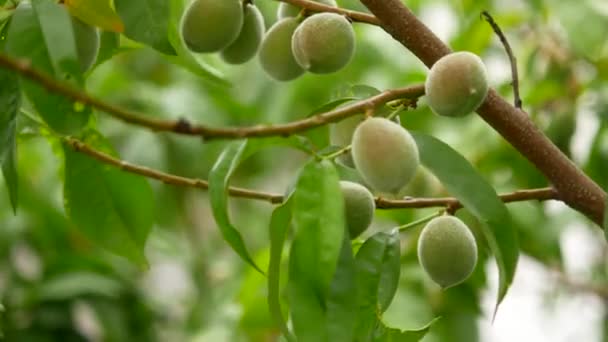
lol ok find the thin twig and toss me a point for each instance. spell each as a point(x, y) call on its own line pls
point(79, 146)
point(182, 126)
point(419, 221)
point(541, 194)
point(355, 16)
point(517, 101)
point(167, 178)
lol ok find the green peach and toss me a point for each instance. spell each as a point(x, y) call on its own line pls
point(275, 54)
point(359, 206)
point(457, 84)
point(211, 25)
point(248, 42)
point(447, 251)
point(385, 154)
point(324, 43)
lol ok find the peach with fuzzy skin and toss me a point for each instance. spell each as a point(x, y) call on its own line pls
point(447, 251)
point(288, 10)
point(359, 206)
point(275, 53)
point(457, 84)
point(385, 154)
point(86, 38)
point(211, 25)
point(248, 42)
point(324, 43)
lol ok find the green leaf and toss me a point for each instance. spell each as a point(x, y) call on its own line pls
point(219, 177)
point(56, 27)
point(96, 13)
point(10, 101)
point(184, 57)
point(305, 302)
point(147, 21)
point(319, 222)
point(390, 270)
point(23, 40)
point(341, 308)
point(464, 182)
point(319, 219)
point(109, 45)
point(386, 334)
point(279, 225)
point(378, 268)
point(113, 208)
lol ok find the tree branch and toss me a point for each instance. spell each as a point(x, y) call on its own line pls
point(453, 204)
point(574, 187)
point(24, 68)
point(512, 60)
point(319, 7)
point(381, 203)
point(166, 178)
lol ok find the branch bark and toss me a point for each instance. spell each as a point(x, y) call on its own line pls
point(574, 188)
point(24, 68)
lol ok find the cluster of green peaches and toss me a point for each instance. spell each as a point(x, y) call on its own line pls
point(320, 43)
point(387, 158)
point(382, 151)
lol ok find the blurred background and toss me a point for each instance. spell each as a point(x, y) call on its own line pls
point(56, 286)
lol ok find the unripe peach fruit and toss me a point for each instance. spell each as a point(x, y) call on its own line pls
point(324, 43)
point(447, 251)
point(248, 42)
point(385, 154)
point(275, 54)
point(457, 84)
point(211, 25)
point(359, 206)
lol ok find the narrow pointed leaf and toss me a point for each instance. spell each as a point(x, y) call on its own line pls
point(378, 255)
point(319, 221)
point(341, 308)
point(219, 177)
point(279, 225)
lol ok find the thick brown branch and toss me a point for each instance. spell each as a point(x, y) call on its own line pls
point(574, 187)
point(319, 7)
point(167, 178)
point(24, 68)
